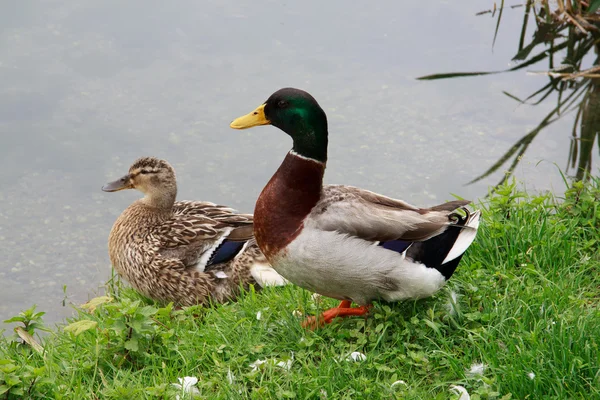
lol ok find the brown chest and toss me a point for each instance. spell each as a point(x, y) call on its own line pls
point(285, 202)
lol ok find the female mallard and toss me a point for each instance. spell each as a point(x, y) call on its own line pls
point(187, 252)
point(341, 241)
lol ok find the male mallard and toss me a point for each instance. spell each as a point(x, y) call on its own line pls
point(341, 241)
point(187, 252)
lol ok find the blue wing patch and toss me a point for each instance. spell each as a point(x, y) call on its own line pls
point(399, 246)
point(225, 252)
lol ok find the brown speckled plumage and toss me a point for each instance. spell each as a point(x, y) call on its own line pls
point(162, 247)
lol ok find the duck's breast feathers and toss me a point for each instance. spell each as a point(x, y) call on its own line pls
point(375, 217)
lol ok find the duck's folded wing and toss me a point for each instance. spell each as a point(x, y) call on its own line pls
point(209, 210)
point(371, 216)
point(197, 232)
point(197, 220)
point(185, 230)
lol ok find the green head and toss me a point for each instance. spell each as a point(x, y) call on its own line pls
point(296, 113)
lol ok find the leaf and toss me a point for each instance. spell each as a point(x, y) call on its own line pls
point(118, 326)
point(455, 75)
point(38, 315)
point(12, 380)
point(137, 325)
point(30, 340)
point(95, 302)
point(8, 368)
point(498, 23)
point(594, 5)
point(16, 318)
point(3, 389)
point(538, 57)
point(80, 326)
point(147, 311)
point(513, 97)
point(383, 368)
point(132, 345)
point(286, 394)
point(432, 325)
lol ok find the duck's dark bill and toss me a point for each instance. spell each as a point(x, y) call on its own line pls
point(255, 118)
point(119, 184)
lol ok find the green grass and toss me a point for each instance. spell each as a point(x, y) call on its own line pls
point(527, 309)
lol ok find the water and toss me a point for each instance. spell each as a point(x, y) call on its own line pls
point(87, 87)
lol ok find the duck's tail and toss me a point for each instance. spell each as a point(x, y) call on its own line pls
point(247, 265)
point(443, 252)
point(265, 275)
point(251, 260)
point(261, 270)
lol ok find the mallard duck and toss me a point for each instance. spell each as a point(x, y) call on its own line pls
point(341, 241)
point(186, 252)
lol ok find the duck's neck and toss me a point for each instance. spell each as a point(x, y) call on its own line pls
point(311, 141)
point(161, 200)
point(285, 202)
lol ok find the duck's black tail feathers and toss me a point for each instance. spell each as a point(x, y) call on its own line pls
point(443, 252)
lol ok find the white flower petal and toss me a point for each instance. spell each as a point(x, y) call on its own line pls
point(356, 356)
point(400, 382)
point(230, 376)
point(457, 389)
point(258, 315)
point(315, 296)
point(531, 375)
point(297, 313)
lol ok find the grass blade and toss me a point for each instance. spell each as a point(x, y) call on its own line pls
point(538, 57)
point(524, 27)
point(454, 75)
point(574, 147)
point(513, 97)
point(594, 5)
point(498, 24)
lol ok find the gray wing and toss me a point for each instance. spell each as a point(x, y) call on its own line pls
point(371, 216)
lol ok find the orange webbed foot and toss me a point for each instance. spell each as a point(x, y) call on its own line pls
point(345, 309)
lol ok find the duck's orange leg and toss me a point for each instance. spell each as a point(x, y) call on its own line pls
point(345, 309)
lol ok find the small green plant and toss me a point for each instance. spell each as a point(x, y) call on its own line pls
point(23, 381)
point(18, 379)
point(30, 319)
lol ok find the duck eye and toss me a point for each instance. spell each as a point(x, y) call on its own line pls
point(282, 104)
point(144, 172)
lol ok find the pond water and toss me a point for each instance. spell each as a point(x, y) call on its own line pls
point(87, 87)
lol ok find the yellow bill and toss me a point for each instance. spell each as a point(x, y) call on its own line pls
point(255, 118)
